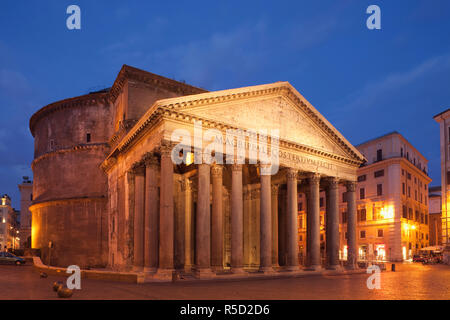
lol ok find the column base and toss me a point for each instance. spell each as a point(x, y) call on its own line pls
point(138, 269)
point(291, 268)
point(150, 269)
point(351, 266)
point(334, 267)
point(203, 273)
point(164, 274)
point(266, 270)
point(238, 270)
point(314, 268)
point(217, 268)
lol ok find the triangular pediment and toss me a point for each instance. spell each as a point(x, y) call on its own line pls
point(272, 114)
point(275, 106)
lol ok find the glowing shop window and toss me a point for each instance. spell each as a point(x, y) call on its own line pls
point(189, 158)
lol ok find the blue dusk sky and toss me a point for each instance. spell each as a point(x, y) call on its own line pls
point(365, 82)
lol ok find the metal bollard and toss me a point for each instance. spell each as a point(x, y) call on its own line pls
point(393, 267)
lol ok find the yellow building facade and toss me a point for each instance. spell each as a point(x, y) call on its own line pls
point(392, 203)
point(6, 223)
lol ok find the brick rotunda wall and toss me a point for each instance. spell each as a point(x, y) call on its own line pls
point(69, 189)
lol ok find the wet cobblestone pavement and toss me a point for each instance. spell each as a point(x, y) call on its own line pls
point(410, 281)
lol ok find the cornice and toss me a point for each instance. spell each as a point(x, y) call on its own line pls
point(81, 101)
point(50, 202)
point(174, 106)
point(138, 128)
point(107, 164)
point(324, 125)
point(173, 114)
point(126, 73)
point(130, 73)
point(382, 164)
point(278, 88)
point(193, 97)
point(215, 97)
point(81, 147)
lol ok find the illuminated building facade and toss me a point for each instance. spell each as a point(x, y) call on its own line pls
point(392, 200)
point(6, 222)
point(392, 204)
point(443, 119)
point(26, 196)
point(106, 190)
point(435, 205)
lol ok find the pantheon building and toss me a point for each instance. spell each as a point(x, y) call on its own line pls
point(108, 193)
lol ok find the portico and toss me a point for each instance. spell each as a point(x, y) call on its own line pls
point(232, 213)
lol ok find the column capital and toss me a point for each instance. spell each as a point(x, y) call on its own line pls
point(186, 185)
point(255, 194)
point(333, 182)
point(314, 178)
point(247, 193)
point(138, 168)
point(216, 170)
point(236, 167)
point(150, 159)
point(291, 174)
point(275, 188)
point(265, 169)
point(166, 148)
point(203, 156)
point(351, 186)
point(291, 219)
point(130, 175)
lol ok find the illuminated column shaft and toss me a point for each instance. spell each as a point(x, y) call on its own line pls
point(275, 225)
point(151, 214)
point(292, 224)
point(237, 219)
point(351, 224)
point(217, 218)
point(203, 221)
point(139, 219)
point(266, 220)
point(186, 189)
point(166, 213)
point(313, 223)
point(332, 236)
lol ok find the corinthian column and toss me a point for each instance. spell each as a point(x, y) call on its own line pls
point(166, 215)
point(332, 237)
point(217, 218)
point(237, 219)
point(265, 220)
point(151, 214)
point(351, 225)
point(313, 223)
point(138, 263)
point(275, 226)
point(292, 223)
point(128, 224)
point(187, 204)
point(203, 222)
